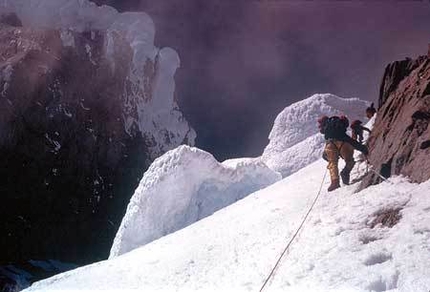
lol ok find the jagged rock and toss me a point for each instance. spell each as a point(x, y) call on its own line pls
point(400, 139)
point(83, 112)
point(394, 74)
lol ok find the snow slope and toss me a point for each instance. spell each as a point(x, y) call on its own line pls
point(235, 248)
point(181, 187)
point(193, 184)
point(294, 141)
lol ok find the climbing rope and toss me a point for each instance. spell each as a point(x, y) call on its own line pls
point(294, 236)
point(375, 172)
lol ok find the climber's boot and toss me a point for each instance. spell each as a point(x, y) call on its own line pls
point(334, 185)
point(344, 175)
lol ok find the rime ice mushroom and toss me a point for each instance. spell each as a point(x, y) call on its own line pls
point(294, 141)
point(181, 187)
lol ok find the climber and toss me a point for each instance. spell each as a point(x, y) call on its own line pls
point(370, 111)
point(338, 143)
point(357, 130)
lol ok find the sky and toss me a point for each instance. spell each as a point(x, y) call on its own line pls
point(242, 62)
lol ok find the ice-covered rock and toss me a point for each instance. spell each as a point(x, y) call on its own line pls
point(148, 97)
point(87, 103)
point(78, 15)
point(294, 141)
point(181, 187)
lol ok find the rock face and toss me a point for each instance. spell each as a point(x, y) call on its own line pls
point(400, 140)
point(84, 109)
point(394, 74)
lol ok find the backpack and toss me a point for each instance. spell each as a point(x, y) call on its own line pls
point(335, 127)
point(356, 125)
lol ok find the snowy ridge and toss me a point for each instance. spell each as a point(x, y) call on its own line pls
point(235, 248)
point(341, 248)
point(297, 156)
point(181, 187)
point(294, 141)
point(148, 97)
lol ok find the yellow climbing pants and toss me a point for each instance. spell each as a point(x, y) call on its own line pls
point(335, 148)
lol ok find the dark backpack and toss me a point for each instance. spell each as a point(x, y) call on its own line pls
point(335, 127)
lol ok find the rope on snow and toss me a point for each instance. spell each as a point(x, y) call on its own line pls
point(294, 236)
point(272, 272)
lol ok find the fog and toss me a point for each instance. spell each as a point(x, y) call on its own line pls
point(242, 62)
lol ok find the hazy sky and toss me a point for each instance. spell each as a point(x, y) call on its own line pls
point(243, 61)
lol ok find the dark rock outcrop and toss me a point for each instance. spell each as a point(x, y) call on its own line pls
point(72, 146)
point(68, 166)
point(394, 74)
point(399, 143)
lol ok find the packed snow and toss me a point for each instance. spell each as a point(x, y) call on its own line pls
point(340, 248)
point(375, 240)
point(149, 215)
point(181, 187)
point(294, 141)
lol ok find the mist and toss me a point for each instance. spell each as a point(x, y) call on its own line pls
point(242, 62)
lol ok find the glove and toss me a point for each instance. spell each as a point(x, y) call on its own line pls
point(358, 146)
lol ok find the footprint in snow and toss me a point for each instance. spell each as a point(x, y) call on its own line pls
point(366, 239)
point(385, 283)
point(378, 258)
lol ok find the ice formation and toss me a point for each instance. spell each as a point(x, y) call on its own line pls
point(181, 187)
point(78, 15)
point(148, 97)
point(342, 247)
point(294, 141)
point(338, 249)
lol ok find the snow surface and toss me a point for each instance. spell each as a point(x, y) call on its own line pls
point(206, 186)
point(181, 187)
point(236, 248)
point(294, 141)
point(158, 117)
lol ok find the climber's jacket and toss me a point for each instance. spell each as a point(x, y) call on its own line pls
point(334, 128)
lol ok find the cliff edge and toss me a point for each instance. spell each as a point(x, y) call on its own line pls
point(400, 140)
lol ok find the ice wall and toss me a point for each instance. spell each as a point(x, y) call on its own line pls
point(181, 187)
point(294, 141)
